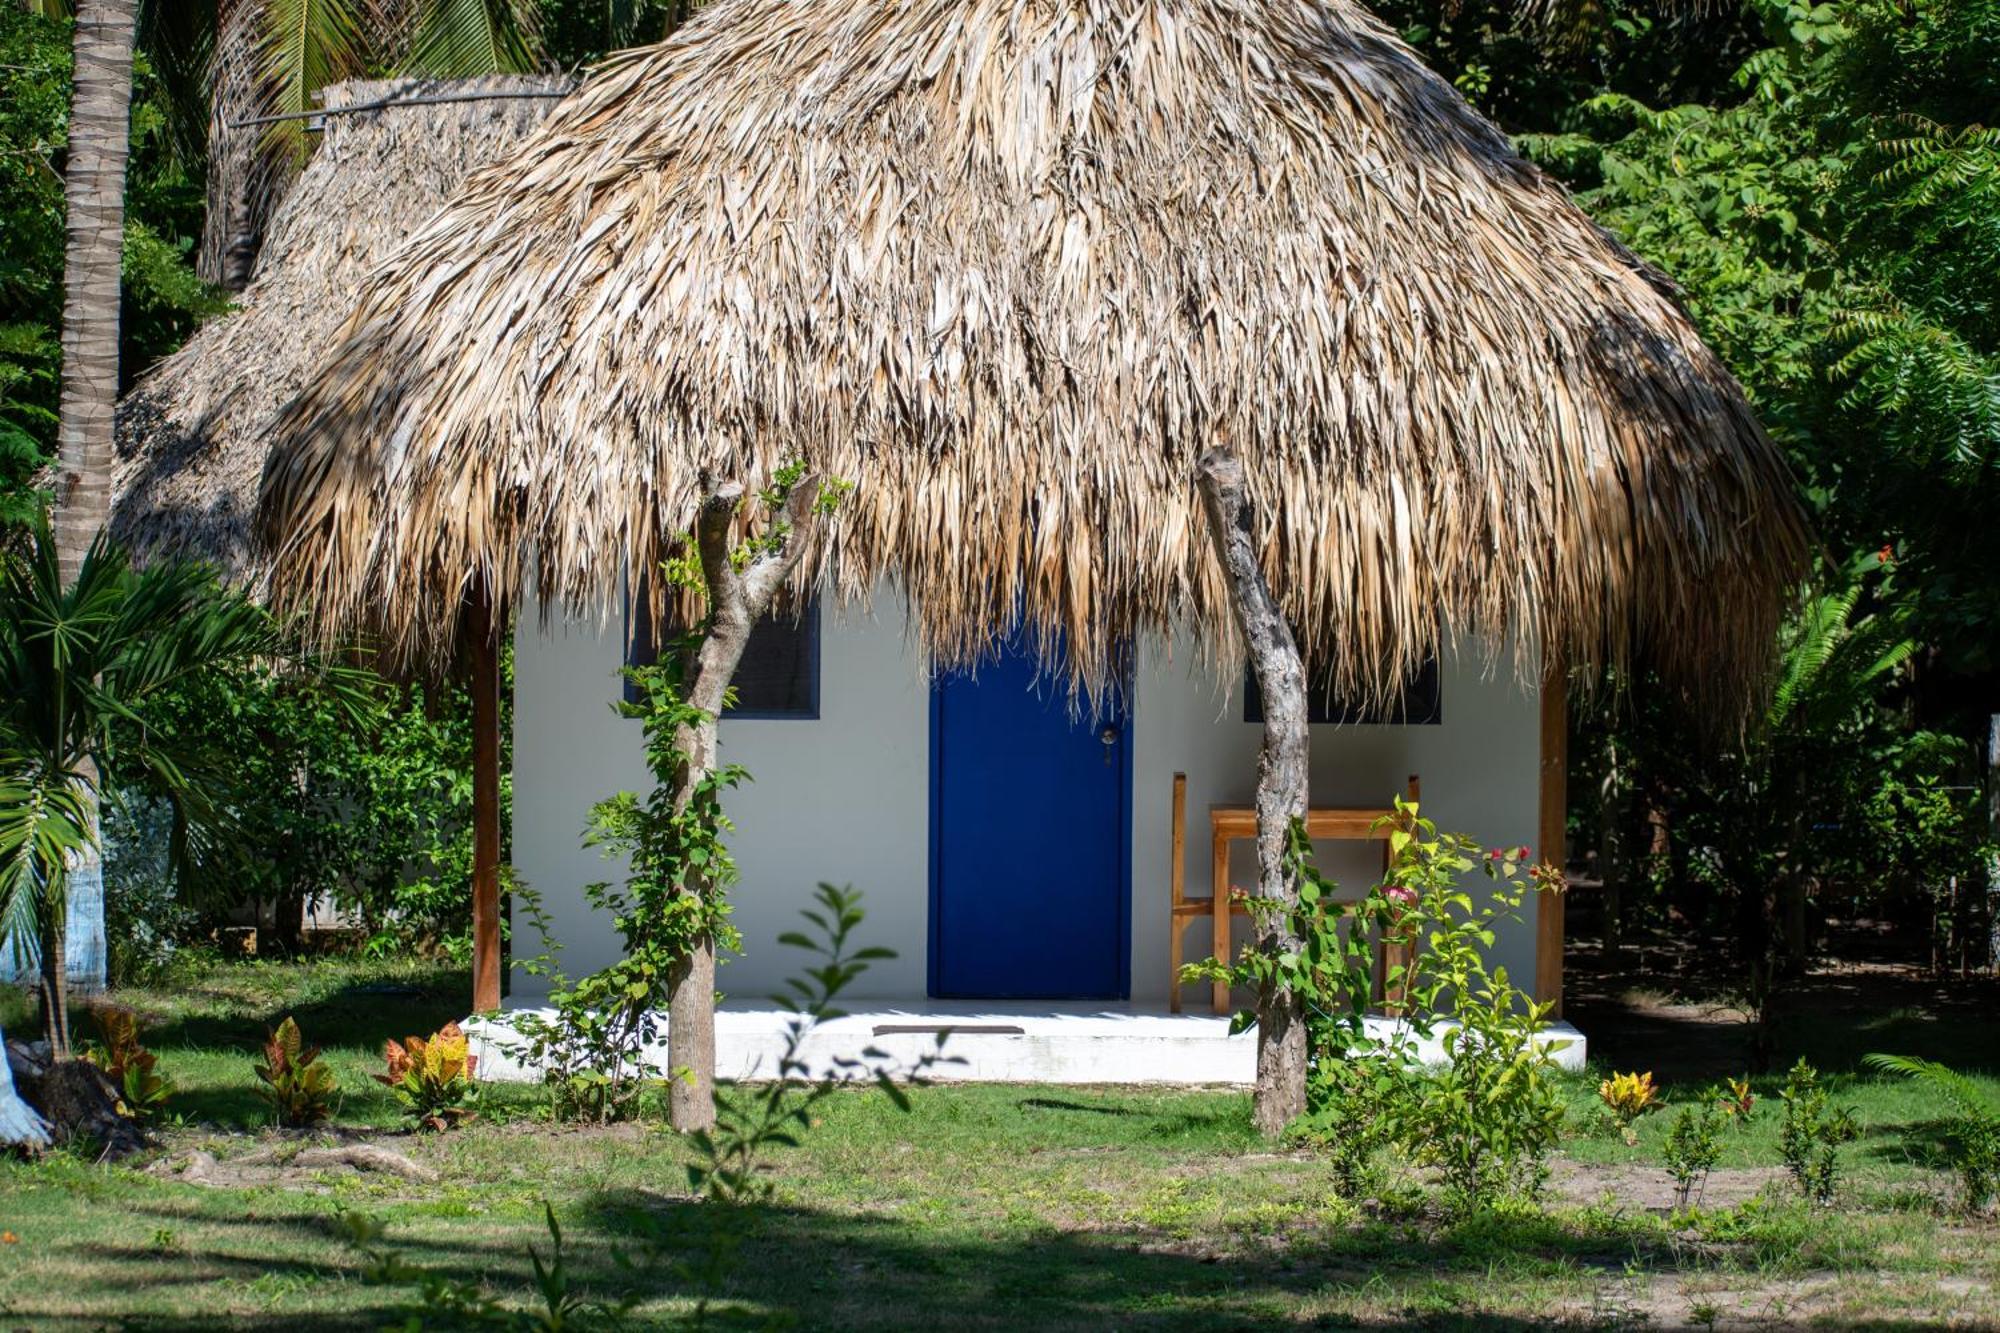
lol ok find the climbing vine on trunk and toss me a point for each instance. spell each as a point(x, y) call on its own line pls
point(675, 911)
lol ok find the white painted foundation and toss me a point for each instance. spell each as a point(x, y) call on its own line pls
point(988, 1044)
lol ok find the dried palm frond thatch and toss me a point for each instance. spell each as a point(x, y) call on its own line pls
point(1011, 267)
point(193, 433)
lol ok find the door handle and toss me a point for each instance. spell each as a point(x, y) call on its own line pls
point(1108, 738)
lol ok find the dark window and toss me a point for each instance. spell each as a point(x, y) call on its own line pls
point(779, 674)
point(1419, 704)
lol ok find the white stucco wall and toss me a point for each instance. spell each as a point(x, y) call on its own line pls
point(845, 798)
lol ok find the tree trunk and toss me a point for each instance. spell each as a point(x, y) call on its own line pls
point(55, 982)
point(1788, 924)
point(94, 195)
point(94, 202)
point(288, 921)
point(1282, 772)
point(1613, 811)
point(1993, 839)
point(1797, 938)
point(736, 600)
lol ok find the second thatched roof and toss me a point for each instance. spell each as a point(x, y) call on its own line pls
point(1012, 267)
point(193, 433)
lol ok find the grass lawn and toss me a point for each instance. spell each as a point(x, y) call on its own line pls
point(982, 1207)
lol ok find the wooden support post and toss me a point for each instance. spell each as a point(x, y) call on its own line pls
point(1552, 834)
point(1177, 881)
point(1220, 945)
point(483, 652)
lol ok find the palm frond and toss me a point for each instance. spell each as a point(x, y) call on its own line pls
point(463, 39)
point(45, 819)
point(1965, 1096)
point(306, 45)
point(178, 40)
point(1833, 661)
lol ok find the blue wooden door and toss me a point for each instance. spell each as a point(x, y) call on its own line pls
point(1030, 831)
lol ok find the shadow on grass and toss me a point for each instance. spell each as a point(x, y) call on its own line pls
point(363, 1012)
point(1060, 1104)
point(811, 1268)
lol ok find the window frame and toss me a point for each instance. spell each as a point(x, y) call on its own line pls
point(806, 621)
point(1322, 710)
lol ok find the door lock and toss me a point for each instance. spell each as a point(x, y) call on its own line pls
point(1109, 738)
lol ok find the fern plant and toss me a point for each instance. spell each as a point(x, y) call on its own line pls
point(1972, 1129)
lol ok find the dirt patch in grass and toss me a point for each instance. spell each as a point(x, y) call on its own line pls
point(1651, 1189)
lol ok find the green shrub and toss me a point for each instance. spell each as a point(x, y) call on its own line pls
point(591, 1046)
point(300, 1090)
point(142, 1091)
point(1489, 1118)
point(1347, 1119)
point(1972, 1129)
point(145, 922)
point(432, 1078)
point(1813, 1133)
point(1693, 1147)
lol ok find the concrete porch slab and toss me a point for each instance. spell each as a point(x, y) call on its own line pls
point(984, 1042)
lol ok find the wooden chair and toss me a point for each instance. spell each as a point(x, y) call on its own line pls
point(1227, 824)
point(1184, 908)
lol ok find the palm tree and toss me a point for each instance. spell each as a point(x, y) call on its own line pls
point(82, 660)
point(94, 202)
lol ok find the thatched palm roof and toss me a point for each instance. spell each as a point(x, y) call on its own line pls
point(1012, 265)
point(193, 434)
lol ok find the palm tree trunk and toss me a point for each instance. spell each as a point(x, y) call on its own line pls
point(55, 987)
point(94, 198)
point(94, 194)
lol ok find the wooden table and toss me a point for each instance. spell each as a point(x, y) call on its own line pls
point(1230, 823)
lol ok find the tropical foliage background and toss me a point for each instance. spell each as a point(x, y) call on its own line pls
point(1820, 179)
